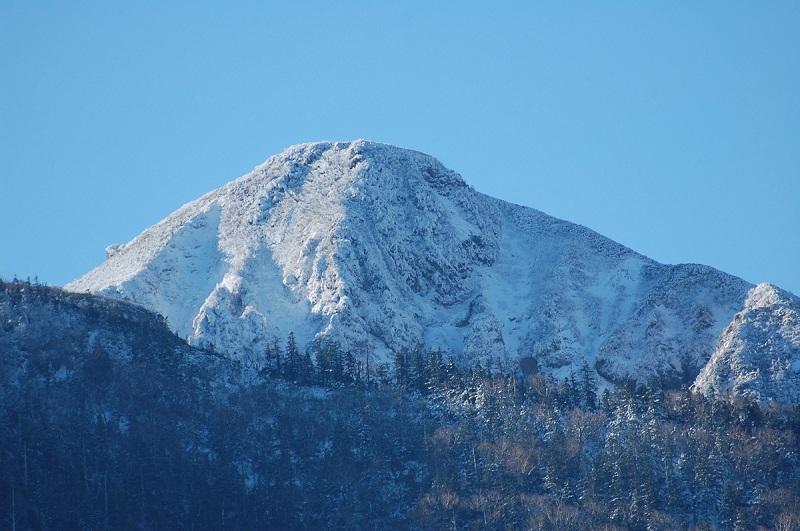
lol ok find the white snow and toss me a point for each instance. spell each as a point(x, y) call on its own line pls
point(380, 247)
point(759, 352)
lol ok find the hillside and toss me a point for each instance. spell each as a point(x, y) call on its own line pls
point(109, 421)
point(381, 248)
point(759, 352)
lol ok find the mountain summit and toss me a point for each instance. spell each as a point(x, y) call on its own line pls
point(759, 352)
point(381, 248)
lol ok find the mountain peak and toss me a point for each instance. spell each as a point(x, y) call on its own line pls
point(351, 157)
point(759, 352)
point(765, 295)
point(382, 248)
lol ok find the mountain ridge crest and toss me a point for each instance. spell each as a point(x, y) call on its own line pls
point(378, 247)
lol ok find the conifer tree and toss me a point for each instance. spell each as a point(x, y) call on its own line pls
point(401, 369)
point(291, 372)
point(588, 387)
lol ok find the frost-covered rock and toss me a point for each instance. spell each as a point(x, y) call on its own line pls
point(759, 352)
point(382, 248)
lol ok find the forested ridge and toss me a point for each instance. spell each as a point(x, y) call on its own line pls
point(109, 421)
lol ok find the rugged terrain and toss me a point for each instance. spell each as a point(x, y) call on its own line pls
point(110, 421)
point(381, 248)
point(759, 353)
point(350, 337)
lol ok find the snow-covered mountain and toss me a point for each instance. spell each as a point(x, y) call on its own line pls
point(382, 248)
point(759, 352)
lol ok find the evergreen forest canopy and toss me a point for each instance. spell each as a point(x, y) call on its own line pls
point(109, 421)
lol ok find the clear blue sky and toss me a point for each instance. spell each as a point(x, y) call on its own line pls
point(671, 127)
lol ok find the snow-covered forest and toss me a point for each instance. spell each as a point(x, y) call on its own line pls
point(110, 421)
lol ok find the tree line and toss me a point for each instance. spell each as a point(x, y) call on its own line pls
point(138, 431)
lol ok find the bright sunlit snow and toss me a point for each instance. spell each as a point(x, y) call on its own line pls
point(382, 248)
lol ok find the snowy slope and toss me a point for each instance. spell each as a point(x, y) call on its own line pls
point(380, 247)
point(759, 352)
